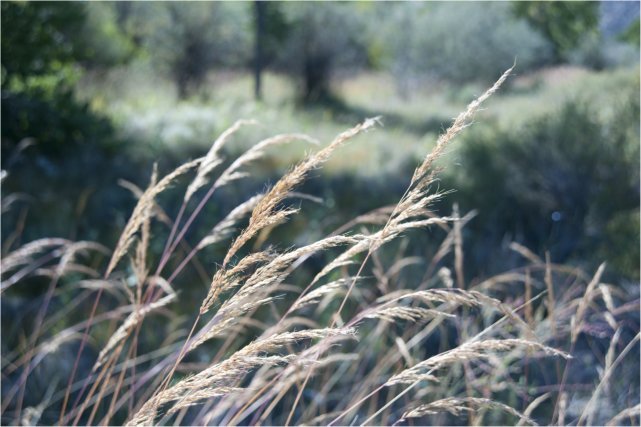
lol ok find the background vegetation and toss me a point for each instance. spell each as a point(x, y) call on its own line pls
point(94, 94)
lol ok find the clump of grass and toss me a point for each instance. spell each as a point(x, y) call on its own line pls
point(354, 342)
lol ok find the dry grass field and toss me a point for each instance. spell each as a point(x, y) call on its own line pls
point(363, 324)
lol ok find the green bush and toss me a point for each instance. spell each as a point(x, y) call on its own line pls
point(58, 123)
point(42, 49)
point(430, 40)
point(563, 182)
point(186, 41)
point(564, 24)
point(322, 40)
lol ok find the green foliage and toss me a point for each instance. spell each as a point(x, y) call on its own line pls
point(631, 35)
point(429, 40)
point(187, 40)
point(563, 182)
point(323, 39)
point(277, 29)
point(106, 44)
point(599, 53)
point(56, 121)
point(38, 37)
point(42, 45)
point(563, 23)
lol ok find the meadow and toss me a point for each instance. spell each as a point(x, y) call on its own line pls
point(394, 230)
point(282, 310)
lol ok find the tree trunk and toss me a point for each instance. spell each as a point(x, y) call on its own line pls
point(259, 34)
point(316, 76)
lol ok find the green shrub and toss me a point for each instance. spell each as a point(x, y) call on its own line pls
point(562, 182)
point(457, 42)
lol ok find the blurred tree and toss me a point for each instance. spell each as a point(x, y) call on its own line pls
point(42, 45)
point(632, 34)
point(454, 41)
point(563, 23)
point(46, 38)
point(105, 42)
point(187, 40)
point(259, 35)
point(124, 11)
point(322, 38)
point(395, 32)
point(38, 38)
point(270, 32)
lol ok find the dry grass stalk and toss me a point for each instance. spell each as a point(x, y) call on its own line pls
point(445, 275)
point(252, 282)
point(590, 406)
point(314, 296)
point(265, 276)
point(633, 412)
point(128, 325)
point(415, 201)
point(456, 406)
point(226, 227)
point(32, 414)
point(526, 253)
point(529, 312)
point(52, 345)
point(140, 260)
point(266, 212)
point(213, 158)
point(576, 324)
point(158, 211)
point(413, 204)
point(215, 380)
point(458, 247)
point(24, 255)
point(256, 288)
point(563, 406)
point(394, 270)
point(256, 152)
point(550, 300)
point(377, 216)
point(606, 295)
point(392, 314)
point(533, 405)
point(293, 373)
point(296, 372)
point(605, 380)
point(460, 123)
point(7, 202)
point(226, 280)
point(447, 295)
point(142, 210)
point(469, 351)
point(226, 318)
point(452, 296)
point(64, 249)
point(500, 279)
point(448, 242)
point(462, 297)
point(289, 375)
point(374, 241)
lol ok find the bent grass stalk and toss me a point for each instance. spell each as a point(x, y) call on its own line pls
point(264, 213)
point(411, 198)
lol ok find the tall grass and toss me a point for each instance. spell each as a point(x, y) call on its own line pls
point(358, 341)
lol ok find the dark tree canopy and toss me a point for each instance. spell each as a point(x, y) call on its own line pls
point(38, 37)
point(563, 23)
point(42, 49)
